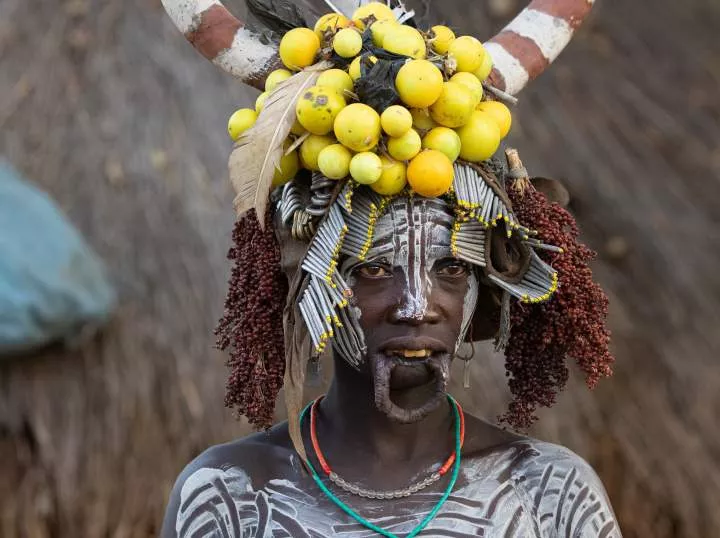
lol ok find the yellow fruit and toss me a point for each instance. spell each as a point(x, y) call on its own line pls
point(260, 101)
point(422, 119)
point(480, 137)
point(483, 72)
point(380, 29)
point(332, 22)
point(396, 120)
point(406, 146)
point(442, 38)
point(241, 121)
point(444, 140)
point(287, 168)
point(454, 106)
point(275, 78)
point(471, 82)
point(336, 79)
point(378, 9)
point(311, 148)
point(393, 178)
point(334, 161)
point(500, 113)
point(298, 48)
point(405, 40)
point(468, 52)
point(366, 168)
point(317, 108)
point(357, 127)
point(297, 129)
point(347, 43)
point(419, 83)
point(430, 174)
point(355, 69)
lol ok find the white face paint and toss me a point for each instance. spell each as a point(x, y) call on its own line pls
point(412, 236)
point(415, 233)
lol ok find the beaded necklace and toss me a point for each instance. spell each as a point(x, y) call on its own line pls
point(454, 458)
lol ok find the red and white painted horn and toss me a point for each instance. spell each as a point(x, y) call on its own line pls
point(532, 41)
point(223, 39)
point(521, 51)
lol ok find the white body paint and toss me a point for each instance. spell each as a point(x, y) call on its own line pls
point(528, 489)
point(551, 34)
point(247, 56)
point(515, 75)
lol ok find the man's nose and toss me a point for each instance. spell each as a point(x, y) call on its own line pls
point(415, 306)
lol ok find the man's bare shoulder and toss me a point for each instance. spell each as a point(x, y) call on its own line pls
point(274, 444)
point(555, 485)
point(230, 470)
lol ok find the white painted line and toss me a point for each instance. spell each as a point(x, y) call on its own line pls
point(247, 56)
point(184, 13)
point(551, 34)
point(515, 75)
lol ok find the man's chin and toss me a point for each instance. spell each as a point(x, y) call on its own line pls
point(393, 375)
point(411, 376)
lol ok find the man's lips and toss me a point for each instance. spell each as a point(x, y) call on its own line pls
point(417, 347)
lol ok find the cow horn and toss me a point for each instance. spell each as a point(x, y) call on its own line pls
point(530, 43)
point(520, 52)
point(223, 39)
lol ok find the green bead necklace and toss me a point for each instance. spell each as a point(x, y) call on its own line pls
point(419, 528)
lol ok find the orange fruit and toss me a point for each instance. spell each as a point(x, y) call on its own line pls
point(430, 173)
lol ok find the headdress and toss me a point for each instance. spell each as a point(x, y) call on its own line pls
point(522, 242)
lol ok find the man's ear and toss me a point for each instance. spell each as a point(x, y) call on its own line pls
point(486, 318)
point(552, 189)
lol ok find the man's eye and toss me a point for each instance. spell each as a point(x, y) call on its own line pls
point(453, 269)
point(373, 271)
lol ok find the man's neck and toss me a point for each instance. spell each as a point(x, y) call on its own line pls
point(351, 426)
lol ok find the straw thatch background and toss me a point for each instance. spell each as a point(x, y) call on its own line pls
point(105, 106)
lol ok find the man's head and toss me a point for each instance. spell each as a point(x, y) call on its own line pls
point(391, 283)
point(413, 299)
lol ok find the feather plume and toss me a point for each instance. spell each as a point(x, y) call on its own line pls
point(258, 151)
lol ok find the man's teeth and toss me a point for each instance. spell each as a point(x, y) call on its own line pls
point(412, 353)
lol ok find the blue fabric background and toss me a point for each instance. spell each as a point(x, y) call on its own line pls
point(51, 283)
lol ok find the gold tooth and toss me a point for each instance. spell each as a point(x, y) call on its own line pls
point(415, 353)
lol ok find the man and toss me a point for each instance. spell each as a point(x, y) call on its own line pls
point(396, 284)
point(386, 426)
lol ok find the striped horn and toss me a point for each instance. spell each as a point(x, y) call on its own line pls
point(223, 39)
point(530, 43)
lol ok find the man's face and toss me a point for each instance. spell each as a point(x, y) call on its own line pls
point(414, 301)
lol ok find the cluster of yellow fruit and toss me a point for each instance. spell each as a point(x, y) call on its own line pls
point(442, 117)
